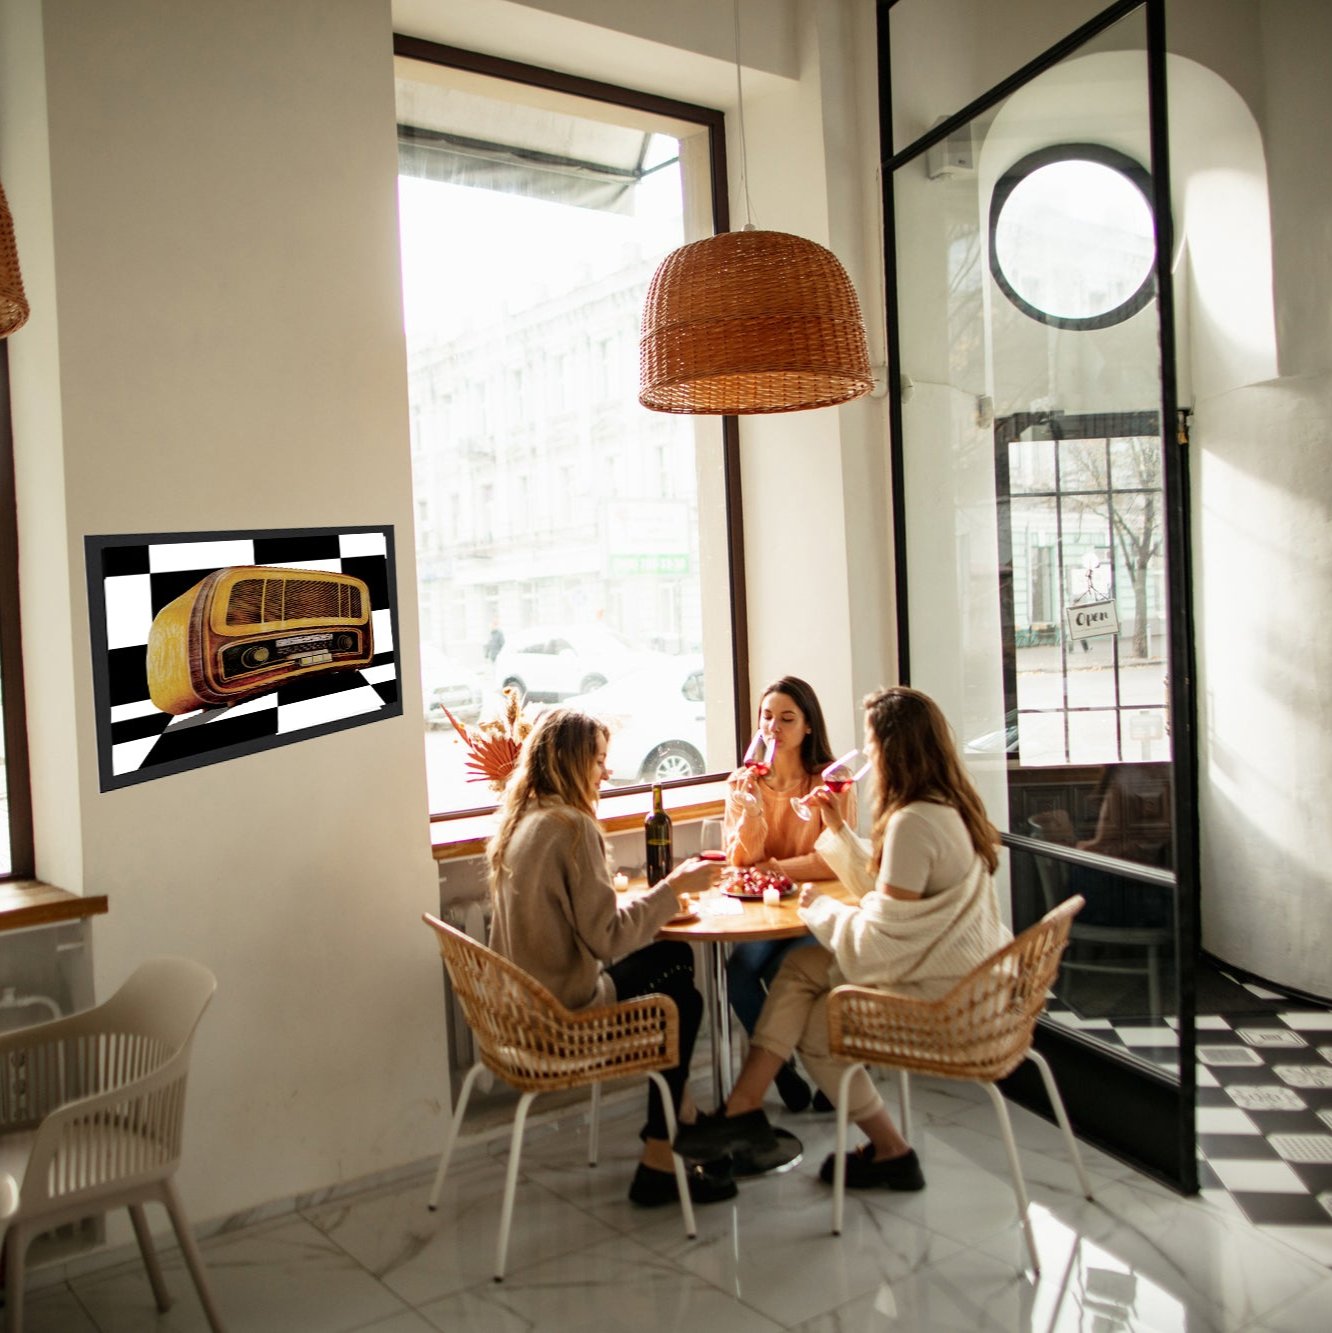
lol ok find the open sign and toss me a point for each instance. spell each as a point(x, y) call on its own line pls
point(1089, 620)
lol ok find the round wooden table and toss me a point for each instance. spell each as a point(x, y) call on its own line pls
point(715, 931)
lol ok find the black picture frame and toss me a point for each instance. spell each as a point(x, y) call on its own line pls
point(133, 577)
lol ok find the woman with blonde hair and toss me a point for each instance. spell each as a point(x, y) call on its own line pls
point(557, 916)
point(928, 915)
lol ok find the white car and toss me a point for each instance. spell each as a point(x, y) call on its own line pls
point(657, 721)
point(548, 663)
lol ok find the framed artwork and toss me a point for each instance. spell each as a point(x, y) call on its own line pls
point(211, 645)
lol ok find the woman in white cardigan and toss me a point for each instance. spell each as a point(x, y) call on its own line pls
point(928, 914)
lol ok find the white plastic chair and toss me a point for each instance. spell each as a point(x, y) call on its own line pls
point(91, 1113)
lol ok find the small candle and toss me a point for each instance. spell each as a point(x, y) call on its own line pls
point(621, 883)
point(771, 897)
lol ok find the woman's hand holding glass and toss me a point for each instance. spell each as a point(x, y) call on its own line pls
point(756, 764)
point(838, 778)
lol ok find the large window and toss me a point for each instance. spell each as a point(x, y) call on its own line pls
point(559, 546)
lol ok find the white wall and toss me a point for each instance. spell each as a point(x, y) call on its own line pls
point(209, 231)
point(1264, 558)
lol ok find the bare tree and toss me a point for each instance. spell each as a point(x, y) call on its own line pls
point(1119, 482)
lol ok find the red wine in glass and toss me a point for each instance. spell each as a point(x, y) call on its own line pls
point(841, 775)
point(758, 760)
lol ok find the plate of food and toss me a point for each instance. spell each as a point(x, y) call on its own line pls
point(750, 882)
point(683, 918)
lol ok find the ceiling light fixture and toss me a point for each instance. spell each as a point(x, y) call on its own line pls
point(751, 321)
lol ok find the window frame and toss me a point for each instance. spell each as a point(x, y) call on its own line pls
point(1063, 429)
point(21, 851)
point(629, 797)
point(1111, 158)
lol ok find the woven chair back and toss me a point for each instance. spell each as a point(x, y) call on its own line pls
point(982, 1029)
point(528, 1038)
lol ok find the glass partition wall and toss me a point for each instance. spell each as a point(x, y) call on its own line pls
point(1040, 514)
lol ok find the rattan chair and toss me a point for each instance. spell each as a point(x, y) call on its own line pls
point(529, 1039)
point(980, 1031)
point(91, 1112)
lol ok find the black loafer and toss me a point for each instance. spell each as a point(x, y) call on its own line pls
point(821, 1103)
point(864, 1173)
point(793, 1089)
point(708, 1183)
point(720, 1135)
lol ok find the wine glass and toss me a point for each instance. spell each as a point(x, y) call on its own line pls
point(758, 760)
point(841, 775)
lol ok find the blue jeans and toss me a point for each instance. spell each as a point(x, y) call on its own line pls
point(750, 970)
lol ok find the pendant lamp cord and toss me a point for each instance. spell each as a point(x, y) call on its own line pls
point(740, 106)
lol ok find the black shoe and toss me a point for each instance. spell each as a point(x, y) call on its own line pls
point(821, 1103)
point(786, 1152)
point(718, 1135)
point(708, 1183)
point(794, 1090)
point(864, 1173)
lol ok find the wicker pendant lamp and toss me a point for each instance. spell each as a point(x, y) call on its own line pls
point(13, 304)
point(749, 322)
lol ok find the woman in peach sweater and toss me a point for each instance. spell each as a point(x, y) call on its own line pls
point(761, 829)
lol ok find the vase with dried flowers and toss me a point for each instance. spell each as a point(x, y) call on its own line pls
point(493, 745)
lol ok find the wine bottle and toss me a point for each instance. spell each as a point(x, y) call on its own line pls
point(658, 829)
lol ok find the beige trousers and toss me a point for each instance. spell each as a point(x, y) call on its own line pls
point(795, 1016)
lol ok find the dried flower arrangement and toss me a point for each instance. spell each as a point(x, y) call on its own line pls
point(493, 745)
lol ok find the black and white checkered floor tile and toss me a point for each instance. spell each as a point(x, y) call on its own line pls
point(1264, 1113)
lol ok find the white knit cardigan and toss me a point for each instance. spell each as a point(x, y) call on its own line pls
point(919, 948)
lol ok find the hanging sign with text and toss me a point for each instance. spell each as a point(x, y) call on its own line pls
point(1089, 620)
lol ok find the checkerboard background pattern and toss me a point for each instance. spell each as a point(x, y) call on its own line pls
point(137, 580)
point(1264, 1112)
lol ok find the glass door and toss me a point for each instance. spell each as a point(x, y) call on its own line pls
point(1041, 536)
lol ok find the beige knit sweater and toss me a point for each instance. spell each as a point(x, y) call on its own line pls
point(557, 914)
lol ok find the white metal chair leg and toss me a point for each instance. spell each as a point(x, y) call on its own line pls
point(189, 1247)
point(511, 1181)
point(145, 1238)
point(15, 1251)
point(904, 1102)
point(451, 1134)
point(677, 1162)
point(1015, 1169)
point(1057, 1102)
point(594, 1126)
point(839, 1158)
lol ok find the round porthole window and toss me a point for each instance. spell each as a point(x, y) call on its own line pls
point(1071, 237)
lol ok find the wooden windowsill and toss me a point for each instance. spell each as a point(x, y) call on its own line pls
point(618, 812)
point(29, 902)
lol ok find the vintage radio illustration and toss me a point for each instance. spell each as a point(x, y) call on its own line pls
point(246, 630)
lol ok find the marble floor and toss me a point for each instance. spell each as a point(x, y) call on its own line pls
point(1138, 1258)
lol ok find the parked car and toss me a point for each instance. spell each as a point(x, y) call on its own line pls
point(1002, 741)
point(656, 718)
point(446, 683)
point(548, 663)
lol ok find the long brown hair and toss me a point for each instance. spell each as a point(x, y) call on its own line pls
point(815, 751)
point(556, 766)
point(918, 761)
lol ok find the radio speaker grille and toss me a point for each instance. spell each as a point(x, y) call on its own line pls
point(246, 606)
point(308, 600)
